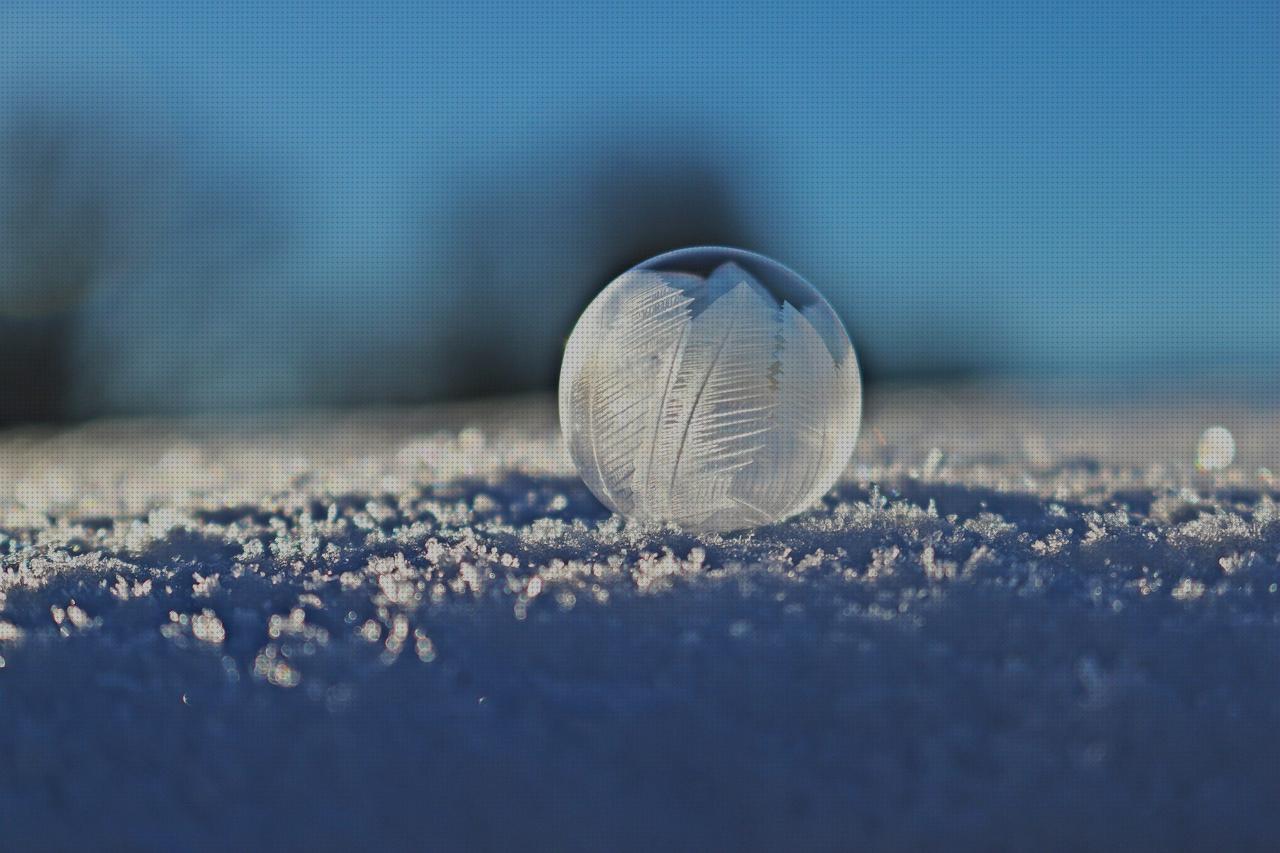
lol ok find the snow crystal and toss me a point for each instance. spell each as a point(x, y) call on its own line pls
point(208, 628)
point(1216, 450)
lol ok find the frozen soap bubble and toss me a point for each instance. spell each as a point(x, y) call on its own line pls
point(712, 388)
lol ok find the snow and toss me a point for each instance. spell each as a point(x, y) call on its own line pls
point(1025, 618)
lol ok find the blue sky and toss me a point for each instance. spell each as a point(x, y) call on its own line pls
point(1081, 188)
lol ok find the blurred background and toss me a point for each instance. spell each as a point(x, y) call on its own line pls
point(241, 205)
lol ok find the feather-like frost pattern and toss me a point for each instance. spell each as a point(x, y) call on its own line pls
point(717, 415)
point(708, 403)
point(628, 347)
point(807, 392)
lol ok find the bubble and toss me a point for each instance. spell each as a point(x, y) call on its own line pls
point(711, 388)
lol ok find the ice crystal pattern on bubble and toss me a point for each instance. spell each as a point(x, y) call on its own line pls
point(709, 402)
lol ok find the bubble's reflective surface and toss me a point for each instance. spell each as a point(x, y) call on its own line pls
point(712, 388)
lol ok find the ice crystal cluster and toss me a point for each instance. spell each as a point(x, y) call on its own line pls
point(711, 388)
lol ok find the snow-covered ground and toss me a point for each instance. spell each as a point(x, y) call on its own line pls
point(1025, 619)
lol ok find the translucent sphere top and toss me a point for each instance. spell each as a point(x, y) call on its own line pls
point(712, 388)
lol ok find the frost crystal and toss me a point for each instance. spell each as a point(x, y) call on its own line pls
point(710, 388)
point(1216, 450)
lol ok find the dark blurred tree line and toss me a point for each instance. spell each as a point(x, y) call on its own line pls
point(130, 284)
